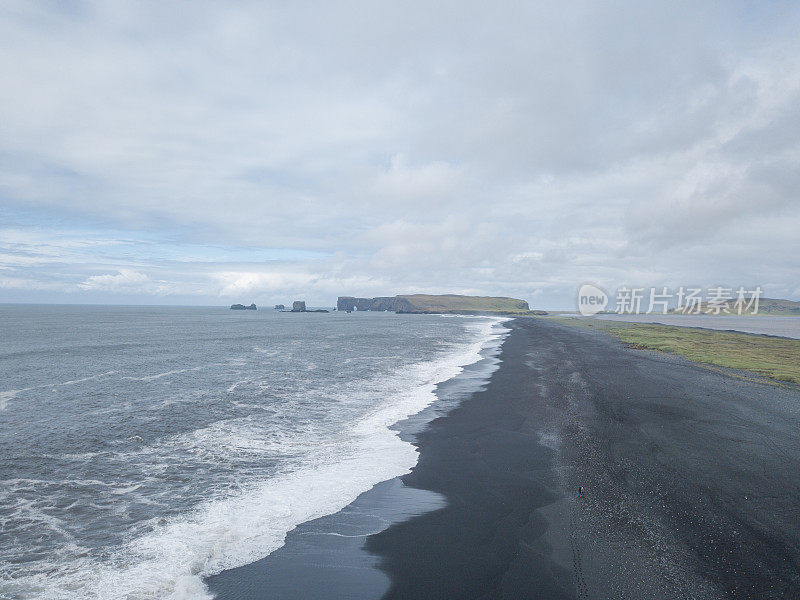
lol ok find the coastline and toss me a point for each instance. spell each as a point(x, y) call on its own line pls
point(691, 486)
point(690, 478)
point(325, 557)
point(488, 459)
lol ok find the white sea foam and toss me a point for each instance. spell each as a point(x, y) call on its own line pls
point(84, 379)
point(164, 374)
point(171, 560)
point(265, 351)
point(8, 395)
point(236, 384)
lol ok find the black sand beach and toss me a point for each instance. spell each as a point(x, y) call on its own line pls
point(691, 483)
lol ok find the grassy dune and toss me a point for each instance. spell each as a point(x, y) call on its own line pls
point(777, 358)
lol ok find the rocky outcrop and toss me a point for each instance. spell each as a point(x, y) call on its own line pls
point(280, 307)
point(243, 307)
point(299, 306)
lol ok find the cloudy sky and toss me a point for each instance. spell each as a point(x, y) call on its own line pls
point(217, 152)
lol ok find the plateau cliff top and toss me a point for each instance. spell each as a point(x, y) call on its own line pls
point(446, 303)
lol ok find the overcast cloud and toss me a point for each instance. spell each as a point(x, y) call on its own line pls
point(209, 152)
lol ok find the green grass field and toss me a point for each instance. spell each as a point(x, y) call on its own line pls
point(776, 358)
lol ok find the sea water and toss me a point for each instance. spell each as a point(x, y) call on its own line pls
point(144, 448)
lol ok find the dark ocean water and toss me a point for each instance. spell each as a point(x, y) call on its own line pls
point(143, 448)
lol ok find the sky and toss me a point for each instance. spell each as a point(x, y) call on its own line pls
point(217, 152)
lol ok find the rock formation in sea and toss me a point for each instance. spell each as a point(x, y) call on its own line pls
point(243, 307)
point(300, 306)
point(280, 307)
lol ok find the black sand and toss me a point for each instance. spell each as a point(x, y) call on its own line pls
point(691, 481)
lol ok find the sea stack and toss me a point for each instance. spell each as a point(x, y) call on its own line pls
point(299, 306)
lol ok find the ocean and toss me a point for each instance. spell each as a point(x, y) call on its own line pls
point(145, 448)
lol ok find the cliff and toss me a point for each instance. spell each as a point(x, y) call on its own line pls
point(424, 303)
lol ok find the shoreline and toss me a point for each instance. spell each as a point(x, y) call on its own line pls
point(320, 557)
point(691, 483)
point(489, 460)
point(690, 477)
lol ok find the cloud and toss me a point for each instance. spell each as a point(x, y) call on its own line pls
point(125, 279)
point(417, 185)
point(521, 150)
